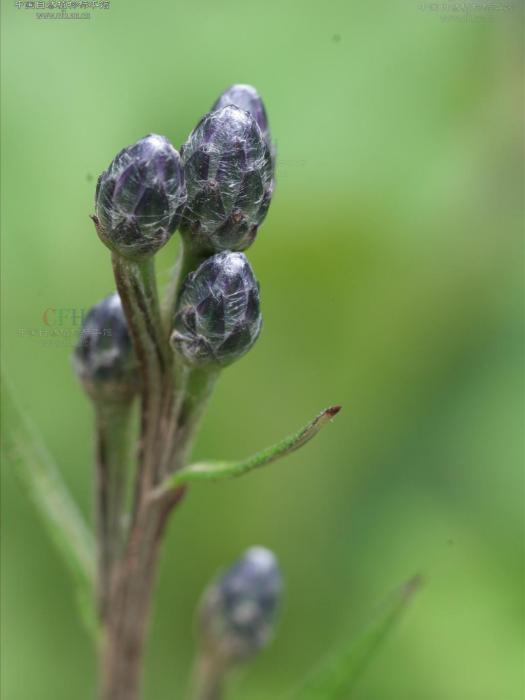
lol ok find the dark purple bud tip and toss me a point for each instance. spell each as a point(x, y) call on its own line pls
point(228, 169)
point(104, 359)
point(238, 611)
point(139, 198)
point(246, 97)
point(218, 316)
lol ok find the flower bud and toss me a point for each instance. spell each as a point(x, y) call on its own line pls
point(228, 168)
point(246, 97)
point(104, 359)
point(238, 611)
point(139, 198)
point(217, 319)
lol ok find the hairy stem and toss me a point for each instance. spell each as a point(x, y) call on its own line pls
point(168, 427)
point(132, 589)
point(132, 582)
point(125, 632)
point(138, 292)
point(163, 441)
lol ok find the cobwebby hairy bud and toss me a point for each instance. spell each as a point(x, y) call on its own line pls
point(218, 316)
point(139, 198)
point(228, 169)
point(246, 97)
point(104, 359)
point(238, 611)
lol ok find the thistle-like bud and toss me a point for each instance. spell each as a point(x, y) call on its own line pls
point(228, 168)
point(217, 319)
point(104, 359)
point(238, 611)
point(139, 198)
point(246, 97)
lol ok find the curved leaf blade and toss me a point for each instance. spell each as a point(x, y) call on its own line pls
point(215, 471)
point(40, 478)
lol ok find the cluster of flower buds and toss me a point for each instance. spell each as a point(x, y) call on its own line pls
point(238, 611)
point(228, 165)
point(104, 359)
point(218, 191)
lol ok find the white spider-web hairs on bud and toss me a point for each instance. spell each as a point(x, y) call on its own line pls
point(139, 198)
point(246, 97)
point(229, 178)
point(218, 317)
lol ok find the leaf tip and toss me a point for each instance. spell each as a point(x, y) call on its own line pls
point(332, 411)
point(413, 585)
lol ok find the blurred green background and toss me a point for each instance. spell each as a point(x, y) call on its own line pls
point(391, 275)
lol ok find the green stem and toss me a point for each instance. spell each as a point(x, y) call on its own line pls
point(199, 385)
point(112, 422)
point(184, 382)
point(207, 681)
point(188, 260)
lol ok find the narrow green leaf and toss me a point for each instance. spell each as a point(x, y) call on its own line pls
point(336, 678)
point(227, 470)
point(36, 470)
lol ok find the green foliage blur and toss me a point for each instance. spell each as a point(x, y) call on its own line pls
point(391, 277)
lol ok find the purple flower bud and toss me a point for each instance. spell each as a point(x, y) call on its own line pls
point(228, 168)
point(238, 611)
point(104, 359)
point(218, 318)
point(139, 198)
